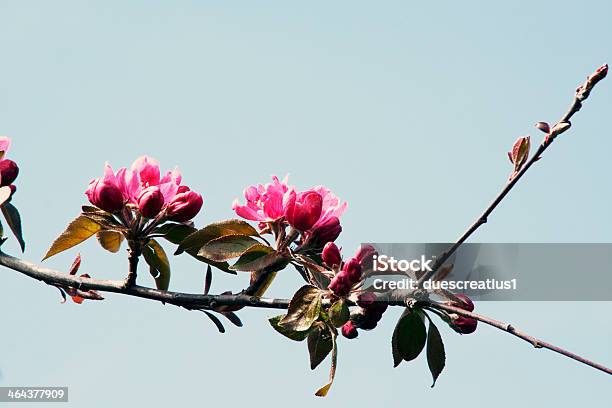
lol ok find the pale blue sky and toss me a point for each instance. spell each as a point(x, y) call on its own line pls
point(404, 110)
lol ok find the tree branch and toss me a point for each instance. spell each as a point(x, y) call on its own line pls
point(582, 93)
point(211, 302)
point(507, 327)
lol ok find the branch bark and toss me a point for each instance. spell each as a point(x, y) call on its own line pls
point(507, 327)
point(211, 302)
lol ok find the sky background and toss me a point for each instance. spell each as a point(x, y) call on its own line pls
point(405, 110)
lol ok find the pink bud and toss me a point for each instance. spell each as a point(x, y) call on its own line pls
point(365, 255)
point(150, 201)
point(184, 206)
point(352, 269)
point(340, 284)
point(8, 172)
point(304, 210)
point(328, 231)
point(331, 255)
point(349, 330)
point(105, 195)
point(543, 126)
point(464, 325)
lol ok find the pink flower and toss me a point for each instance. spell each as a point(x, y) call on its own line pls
point(145, 173)
point(147, 169)
point(264, 203)
point(331, 205)
point(303, 210)
point(105, 192)
point(185, 205)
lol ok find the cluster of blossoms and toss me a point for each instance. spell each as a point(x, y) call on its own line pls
point(8, 168)
point(347, 279)
point(144, 188)
point(314, 213)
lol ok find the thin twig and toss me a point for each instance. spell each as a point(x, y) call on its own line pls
point(581, 94)
point(537, 343)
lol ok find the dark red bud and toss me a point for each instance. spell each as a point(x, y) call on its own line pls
point(327, 231)
point(349, 330)
point(467, 303)
point(184, 206)
point(340, 284)
point(331, 255)
point(150, 202)
point(353, 270)
point(464, 325)
point(8, 172)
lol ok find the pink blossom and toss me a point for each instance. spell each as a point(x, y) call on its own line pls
point(331, 205)
point(303, 210)
point(264, 203)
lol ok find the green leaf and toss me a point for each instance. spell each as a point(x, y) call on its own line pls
point(322, 392)
point(436, 356)
point(13, 220)
point(174, 233)
point(320, 344)
point(226, 247)
point(290, 334)
point(409, 337)
point(339, 313)
point(156, 257)
point(216, 321)
point(219, 229)
point(258, 257)
point(110, 240)
point(79, 230)
point(304, 309)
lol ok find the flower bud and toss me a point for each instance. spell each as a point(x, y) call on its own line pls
point(464, 325)
point(519, 154)
point(467, 303)
point(340, 284)
point(304, 210)
point(8, 172)
point(349, 330)
point(150, 202)
point(366, 299)
point(331, 255)
point(543, 126)
point(326, 232)
point(105, 195)
point(352, 269)
point(184, 206)
point(365, 255)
